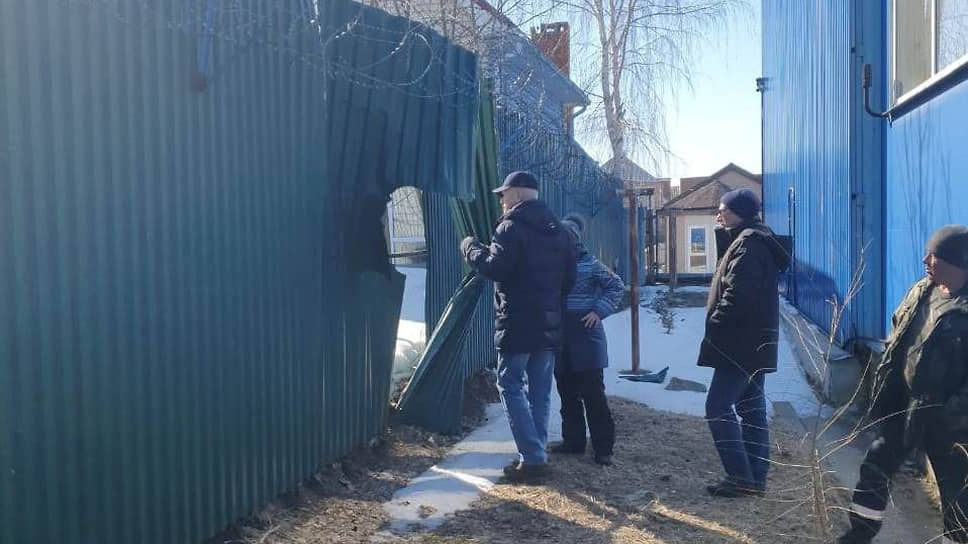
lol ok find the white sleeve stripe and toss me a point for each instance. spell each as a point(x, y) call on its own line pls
point(866, 513)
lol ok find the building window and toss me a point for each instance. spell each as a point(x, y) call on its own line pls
point(930, 38)
point(697, 249)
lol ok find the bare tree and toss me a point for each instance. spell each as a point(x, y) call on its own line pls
point(633, 56)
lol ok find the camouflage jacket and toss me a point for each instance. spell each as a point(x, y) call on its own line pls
point(937, 387)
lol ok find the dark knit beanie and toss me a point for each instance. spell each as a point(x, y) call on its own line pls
point(951, 244)
point(743, 202)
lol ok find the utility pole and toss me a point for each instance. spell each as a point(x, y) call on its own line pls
point(632, 194)
point(634, 272)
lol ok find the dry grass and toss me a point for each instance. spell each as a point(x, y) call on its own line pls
point(343, 502)
point(655, 493)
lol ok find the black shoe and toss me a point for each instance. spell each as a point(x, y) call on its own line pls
point(731, 489)
point(854, 537)
point(511, 467)
point(604, 460)
point(568, 449)
point(526, 474)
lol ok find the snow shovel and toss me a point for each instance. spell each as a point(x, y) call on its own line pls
point(650, 377)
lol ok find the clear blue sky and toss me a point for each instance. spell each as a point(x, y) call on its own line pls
point(718, 121)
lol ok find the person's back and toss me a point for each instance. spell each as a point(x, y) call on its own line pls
point(529, 299)
point(578, 372)
point(531, 260)
point(596, 288)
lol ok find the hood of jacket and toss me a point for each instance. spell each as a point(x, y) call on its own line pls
point(536, 215)
point(780, 254)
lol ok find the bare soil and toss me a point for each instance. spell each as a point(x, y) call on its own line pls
point(654, 494)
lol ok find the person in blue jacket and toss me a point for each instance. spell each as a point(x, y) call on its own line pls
point(579, 370)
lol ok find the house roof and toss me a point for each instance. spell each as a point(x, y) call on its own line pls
point(738, 169)
point(626, 170)
point(704, 196)
point(705, 193)
point(496, 13)
point(526, 80)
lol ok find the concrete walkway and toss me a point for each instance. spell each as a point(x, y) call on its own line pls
point(472, 467)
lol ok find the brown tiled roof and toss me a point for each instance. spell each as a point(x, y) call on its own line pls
point(703, 193)
point(704, 196)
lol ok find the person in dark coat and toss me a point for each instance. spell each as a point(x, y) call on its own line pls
point(920, 393)
point(531, 261)
point(579, 370)
point(740, 343)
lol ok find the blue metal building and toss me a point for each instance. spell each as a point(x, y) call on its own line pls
point(859, 193)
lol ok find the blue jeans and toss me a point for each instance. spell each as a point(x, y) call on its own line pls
point(743, 448)
point(527, 413)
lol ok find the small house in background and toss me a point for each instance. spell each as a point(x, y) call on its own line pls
point(690, 218)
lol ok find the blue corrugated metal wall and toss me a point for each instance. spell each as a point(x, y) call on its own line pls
point(927, 170)
point(822, 152)
point(869, 22)
point(196, 309)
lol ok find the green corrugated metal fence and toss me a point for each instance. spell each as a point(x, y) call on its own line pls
point(196, 309)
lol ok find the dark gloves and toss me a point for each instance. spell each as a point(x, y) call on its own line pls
point(466, 245)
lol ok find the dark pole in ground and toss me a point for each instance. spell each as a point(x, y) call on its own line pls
point(634, 273)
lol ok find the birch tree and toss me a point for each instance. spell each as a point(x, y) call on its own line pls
point(634, 56)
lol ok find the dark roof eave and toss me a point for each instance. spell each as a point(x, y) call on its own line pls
point(664, 211)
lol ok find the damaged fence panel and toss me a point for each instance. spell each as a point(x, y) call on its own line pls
point(434, 396)
point(196, 310)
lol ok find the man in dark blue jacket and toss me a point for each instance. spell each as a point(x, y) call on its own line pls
point(532, 263)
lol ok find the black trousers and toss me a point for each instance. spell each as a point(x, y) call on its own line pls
point(583, 394)
point(886, 455)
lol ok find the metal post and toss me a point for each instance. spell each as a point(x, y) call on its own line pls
point(649, 240)
point(634, 274)
point(672, 248)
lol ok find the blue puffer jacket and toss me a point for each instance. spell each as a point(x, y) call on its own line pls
point(532, 263)
point(597, 289)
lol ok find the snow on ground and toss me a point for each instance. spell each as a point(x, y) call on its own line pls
point(679, 351)
point(414, 293)
point(474, 465)
point(412, 330)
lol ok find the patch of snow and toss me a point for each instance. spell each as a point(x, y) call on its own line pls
point(472, 467)
point(679, 351)
point(411, 341)
point(412, 330)
point(414, 293)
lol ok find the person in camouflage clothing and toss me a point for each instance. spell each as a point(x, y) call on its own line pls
point(920, 393)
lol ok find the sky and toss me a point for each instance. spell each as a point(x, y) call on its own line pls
point(718, 120)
